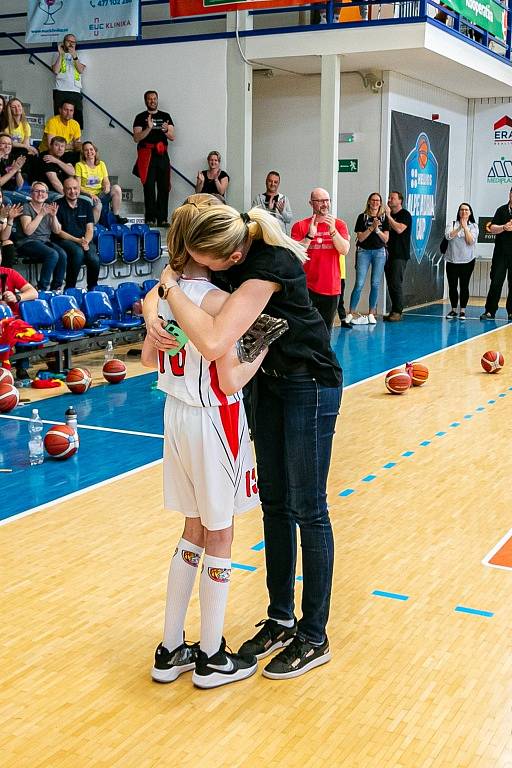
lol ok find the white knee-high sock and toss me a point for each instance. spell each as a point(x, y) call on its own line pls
point(213, 596)
point(180, 583)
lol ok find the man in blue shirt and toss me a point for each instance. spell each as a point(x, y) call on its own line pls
point(76, 218)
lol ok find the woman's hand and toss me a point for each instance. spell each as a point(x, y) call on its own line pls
point(168, 273)
point(159, 336)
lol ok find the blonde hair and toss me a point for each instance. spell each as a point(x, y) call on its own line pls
point(181, 219)
point(11, 123)
point(39, 184)
point(222, 231)
point(381, 207)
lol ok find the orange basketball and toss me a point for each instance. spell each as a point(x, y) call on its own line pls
point(422, 153)
point(9, 397)
point(418, 373)
point(6, 376)
point(397, 381)
point(79, 380)
point(114, 371)
point(492, 362)
point(73, 319)
point(61, 441)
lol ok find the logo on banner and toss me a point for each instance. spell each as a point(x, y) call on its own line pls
point(421, 191)
point(50, 8)
point(503, 130)
point(500, 172)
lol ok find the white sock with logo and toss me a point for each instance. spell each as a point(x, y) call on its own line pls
point(180, 583)
point(213, 596)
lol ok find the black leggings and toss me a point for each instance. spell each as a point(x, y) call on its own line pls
point(458, 276)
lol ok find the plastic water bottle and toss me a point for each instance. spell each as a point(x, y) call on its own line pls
point(71, 419)
point(109, 351)
point(35, 443)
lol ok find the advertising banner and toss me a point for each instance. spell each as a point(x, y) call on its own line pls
point(198, 7)
point(488, 14)
point(49, 20)
point(419, 170)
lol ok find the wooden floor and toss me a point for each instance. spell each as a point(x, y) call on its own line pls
point(412, 684)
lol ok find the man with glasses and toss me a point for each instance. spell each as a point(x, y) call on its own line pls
point(327, 242)
point(68, 70)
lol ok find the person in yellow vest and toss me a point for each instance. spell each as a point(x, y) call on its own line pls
point(66, 126)
point(68, 70)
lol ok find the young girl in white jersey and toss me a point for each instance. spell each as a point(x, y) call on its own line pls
point(209, 475)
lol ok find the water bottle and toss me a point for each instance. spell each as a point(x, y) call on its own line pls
point(35, 443)
point(71, 419)
point(109, 351)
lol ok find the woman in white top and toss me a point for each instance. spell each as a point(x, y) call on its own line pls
point(462, 235)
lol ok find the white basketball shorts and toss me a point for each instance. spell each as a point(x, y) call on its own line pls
point(209, 469)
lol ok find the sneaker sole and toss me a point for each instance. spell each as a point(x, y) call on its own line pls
point(169, 675)
point(298, 672)
point(217, 678)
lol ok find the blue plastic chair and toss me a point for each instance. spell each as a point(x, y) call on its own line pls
point(107, 251)
point(61, 304)
point(39, 315)
point(77, 293)
point(5, 311)
point(126, 295)
point(111, 293)
point(99, 311)
point(147, 285)
point(45, 295)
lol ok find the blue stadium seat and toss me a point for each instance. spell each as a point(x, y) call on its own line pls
point(108, 290)
point(99, 311)
point(59, 305)
point(126, 295)
point(5, 311)
point(147, 285)
point(77, 293)
point(45, 295)
point(39, 315)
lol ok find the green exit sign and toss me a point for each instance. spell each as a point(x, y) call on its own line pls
point(348, 166)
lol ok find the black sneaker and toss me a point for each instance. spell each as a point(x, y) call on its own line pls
point(270, 637)
point(171, 664)
point(486, 316)
point(344, 324)
point(299, 657)
point(451, 314)
point(121, 219)
point(222, 668)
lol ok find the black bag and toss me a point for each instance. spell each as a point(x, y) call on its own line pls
point(443, 245)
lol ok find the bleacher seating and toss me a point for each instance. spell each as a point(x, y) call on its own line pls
point(98, 310)
point(63, 303)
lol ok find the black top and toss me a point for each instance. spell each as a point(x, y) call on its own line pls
point(74, 220)
point(209, 184)
point(11, 183)
point(399, 245)
point(373, 241)
point(41, 169)
point(503, 244)
point(156, 134)
point(307, 340)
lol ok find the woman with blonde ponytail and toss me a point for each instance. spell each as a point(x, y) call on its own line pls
point(298, 396)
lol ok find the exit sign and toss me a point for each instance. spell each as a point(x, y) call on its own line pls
point(348, 166)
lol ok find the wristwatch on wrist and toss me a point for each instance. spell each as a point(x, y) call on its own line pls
point(164, 288)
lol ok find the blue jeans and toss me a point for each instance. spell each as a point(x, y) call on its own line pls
point(364, 259)
point(53, 260)
point(76, 256)
point(294, 427)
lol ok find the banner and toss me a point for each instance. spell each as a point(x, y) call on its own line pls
point(419, 170)
point(197, 7)
point(49, 20)
point(488, 14)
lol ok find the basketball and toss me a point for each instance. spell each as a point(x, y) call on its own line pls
point(61, 442)
point(397, 381)
point(492, 362)
point(6, 376)
point(9, 397)
point(422, 153)
point(73, 319)
point(79, 380)
point(114, 371)
point(418, 373)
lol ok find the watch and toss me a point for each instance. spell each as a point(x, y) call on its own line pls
point(164, 288)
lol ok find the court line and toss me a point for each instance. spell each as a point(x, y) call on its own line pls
point(88, 426)
point(473, 611)
point(80, 492)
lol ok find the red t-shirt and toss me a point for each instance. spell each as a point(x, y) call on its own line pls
point(323, 268)
point(10, 280)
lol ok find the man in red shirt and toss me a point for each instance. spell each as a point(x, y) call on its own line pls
point(327, 241)
point(14, 288)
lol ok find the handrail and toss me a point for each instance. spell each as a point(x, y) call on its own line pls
point(112, 120)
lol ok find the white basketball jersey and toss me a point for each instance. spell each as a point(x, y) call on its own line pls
point(188, 375)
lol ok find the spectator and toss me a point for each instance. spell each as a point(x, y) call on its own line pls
point(18, 128)
point(38, 222)
point(213, 181)
point(3, 104)
point(11, 179)
point(8, 213)
point(327, 241)
point(63, 125)
point(501, 266)
point(152, 130)
point(77, 228)
point(68, 70)
point(276, 204)
point(462, 236)
point(95, 184)
point(52, 169)
point(372, 231)
point(399, 252)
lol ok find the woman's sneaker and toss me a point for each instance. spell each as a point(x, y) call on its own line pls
point(361, 320)
point(222, 668)
point(451, 315)
point(171, 664)
point(297, 659)
point(271, 636)
point(372, 320)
